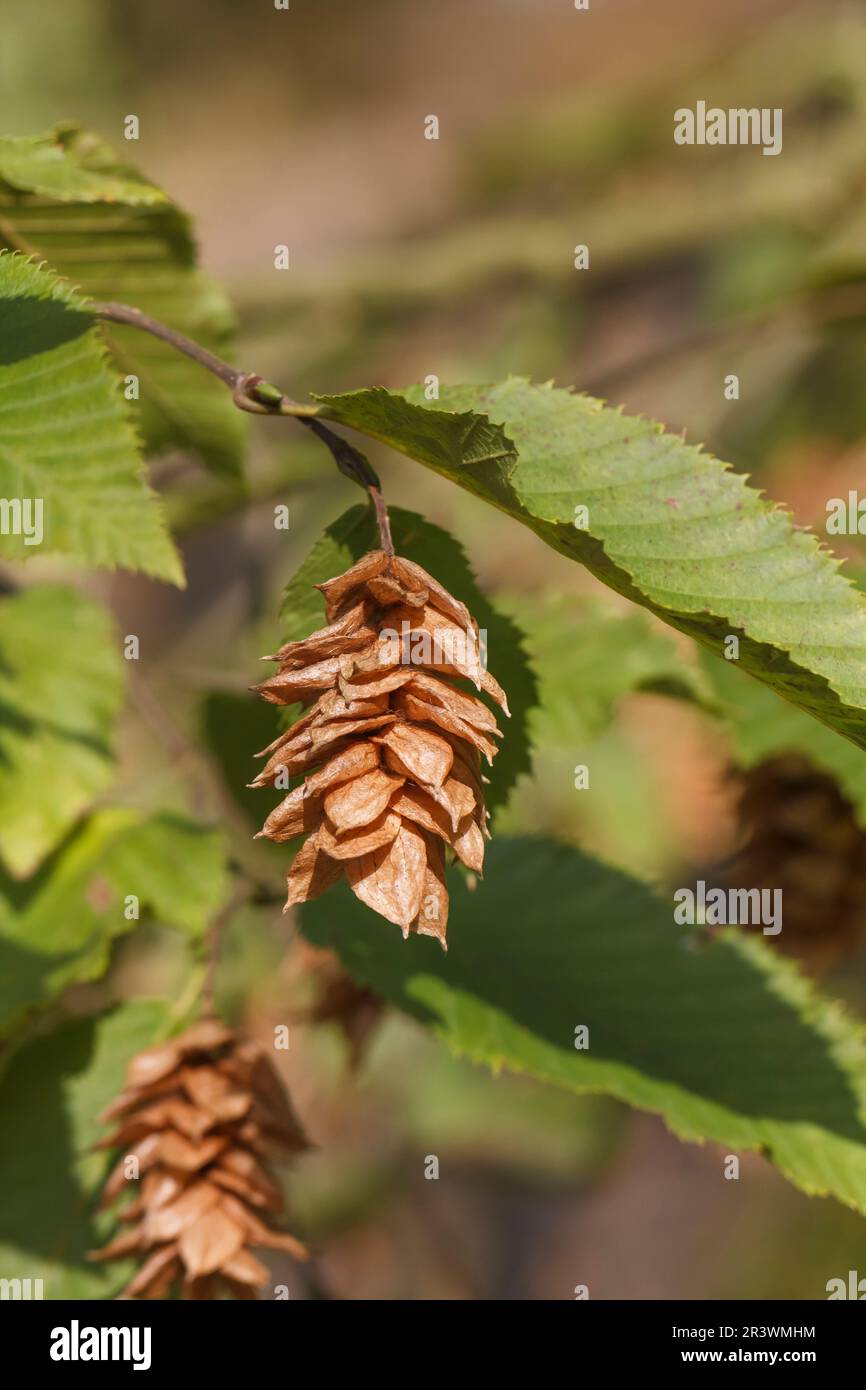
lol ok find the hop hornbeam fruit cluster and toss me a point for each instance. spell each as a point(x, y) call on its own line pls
point(201, 1115)
point(800, 835)
point(390, 748)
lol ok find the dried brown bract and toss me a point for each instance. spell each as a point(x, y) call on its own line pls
point(201, 1115)
point(389, 746)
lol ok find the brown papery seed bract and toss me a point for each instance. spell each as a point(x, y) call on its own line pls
point(203, 1114)
point(388, 745)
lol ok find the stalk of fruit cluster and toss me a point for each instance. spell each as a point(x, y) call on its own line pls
point(252, 393)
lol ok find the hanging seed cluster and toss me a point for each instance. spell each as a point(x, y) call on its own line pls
point(799, 835)
point(201, 1116)
point(389, 746)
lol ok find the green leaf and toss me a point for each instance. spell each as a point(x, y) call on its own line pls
point(355, 533)
point(458, 443)
point(51, 1094)
point(61, 684)
point(66, 197)
point(57, 928)
point(724, 1040)
point(175, 866)
point(669, 527)
point(65, 442)
point(69, 167)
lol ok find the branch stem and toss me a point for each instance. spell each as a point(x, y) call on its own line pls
point(251, 393)
point(134, 318)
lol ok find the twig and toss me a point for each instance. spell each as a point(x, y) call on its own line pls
point(252, 393)
point(125, 313)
